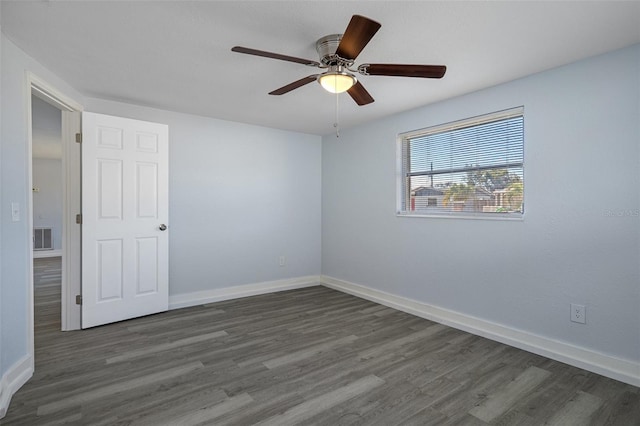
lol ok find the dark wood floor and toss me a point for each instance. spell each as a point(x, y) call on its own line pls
point(310, 356)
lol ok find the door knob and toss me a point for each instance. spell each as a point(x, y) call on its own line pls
point(163, 227)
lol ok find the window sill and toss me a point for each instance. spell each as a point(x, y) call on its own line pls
point(494, 216)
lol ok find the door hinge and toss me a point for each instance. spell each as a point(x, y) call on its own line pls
point(79, 219)
point(78, 299)
point(79, 137)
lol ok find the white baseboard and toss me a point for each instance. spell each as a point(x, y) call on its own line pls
point(37, 254)
point(606, 365)
point(235, 292)
point(12, 380)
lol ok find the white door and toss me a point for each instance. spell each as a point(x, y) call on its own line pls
point(125, 244)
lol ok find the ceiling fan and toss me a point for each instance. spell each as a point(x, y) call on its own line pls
point(337, 56)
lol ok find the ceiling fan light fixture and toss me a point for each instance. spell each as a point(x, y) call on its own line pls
point(337, 81)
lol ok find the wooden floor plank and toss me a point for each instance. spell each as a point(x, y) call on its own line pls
point(206, 414)
point(153, 349)
point(308, 352)
point(502, 400)
point(106, 391)
point(300, 413)
point(577, 411)
point(397, 343)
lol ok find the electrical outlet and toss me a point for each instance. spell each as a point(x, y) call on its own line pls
point(578, 313)
point(282, 261)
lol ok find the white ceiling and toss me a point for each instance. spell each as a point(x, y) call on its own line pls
point(176, 55)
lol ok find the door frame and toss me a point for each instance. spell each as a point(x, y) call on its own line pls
point(71, 261)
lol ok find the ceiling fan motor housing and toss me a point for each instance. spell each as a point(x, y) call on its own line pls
point(326, 48)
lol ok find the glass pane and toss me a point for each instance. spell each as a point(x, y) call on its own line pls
point(486, 191)
point(475, 169)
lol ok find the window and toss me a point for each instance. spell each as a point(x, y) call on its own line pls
point(472, 167)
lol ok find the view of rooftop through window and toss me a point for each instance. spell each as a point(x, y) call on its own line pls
point(473, 166)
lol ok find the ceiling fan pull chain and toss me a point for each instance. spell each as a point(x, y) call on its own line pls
point(336, 124)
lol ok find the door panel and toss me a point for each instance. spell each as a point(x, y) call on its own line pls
point(124, 202)
point(147, 190)
point(109, 189)
point(110, 271)
point(146, 265)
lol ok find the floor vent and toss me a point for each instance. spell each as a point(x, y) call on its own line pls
point(42, 239)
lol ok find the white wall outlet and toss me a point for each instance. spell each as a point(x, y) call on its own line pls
point(282, 261)
point(578, 313)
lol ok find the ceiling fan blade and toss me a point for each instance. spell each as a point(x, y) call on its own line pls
point(399, 70)
point(272, 55)
point(358, 33)
point(291, 86)
point(359, 94)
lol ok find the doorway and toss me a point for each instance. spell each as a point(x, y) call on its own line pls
point(58, 234)
point(46, 160)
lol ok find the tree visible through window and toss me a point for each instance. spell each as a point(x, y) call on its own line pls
point(469, 167)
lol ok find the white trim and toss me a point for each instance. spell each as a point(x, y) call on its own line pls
point(38, 254)
point(619, 369)
point(464, 123)
point(71, 231)
point(216, 295)
point(51, 95)
point(12, 380)
point(40, 88)
point(29, 210)
point(509, 217)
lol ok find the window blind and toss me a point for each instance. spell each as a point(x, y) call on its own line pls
point(473, 166)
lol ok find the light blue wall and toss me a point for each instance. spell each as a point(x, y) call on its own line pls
point(47, 202)
point(578, 243)
point(239, 197)
point(46, 136)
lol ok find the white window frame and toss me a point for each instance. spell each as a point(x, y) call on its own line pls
point(402, 191)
